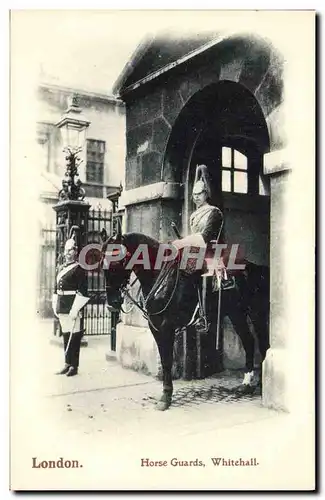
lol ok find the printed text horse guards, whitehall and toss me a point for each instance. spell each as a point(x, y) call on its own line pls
point(173, 306)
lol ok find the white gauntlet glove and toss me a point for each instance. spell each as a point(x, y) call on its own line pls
point(192, 240)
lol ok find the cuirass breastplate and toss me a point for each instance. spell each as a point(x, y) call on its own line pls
point(199, 218)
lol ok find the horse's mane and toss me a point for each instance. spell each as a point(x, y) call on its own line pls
point(134, 239)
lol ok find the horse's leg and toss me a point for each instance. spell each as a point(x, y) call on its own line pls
point(165, 342)
point(260, 323)
point(259, 320)
point(239, 320)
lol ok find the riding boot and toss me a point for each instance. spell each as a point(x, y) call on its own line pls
point(74, 353)
point(72, 371)
point(64, 370)
point(201, 324)
point(67, 355)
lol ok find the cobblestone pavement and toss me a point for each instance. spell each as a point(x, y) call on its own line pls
point(105, 397)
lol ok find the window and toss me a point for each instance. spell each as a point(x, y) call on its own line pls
point(234, 171)
point(95, 161)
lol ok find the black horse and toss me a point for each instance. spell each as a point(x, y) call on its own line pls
point(170, 298)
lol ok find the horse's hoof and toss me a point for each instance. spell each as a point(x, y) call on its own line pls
point(162, 405)
point(164, 402)
point(245, 389)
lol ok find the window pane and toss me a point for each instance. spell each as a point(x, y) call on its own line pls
point(95, 161)
point(226, 157)
point(261, 189)
point(100, 174)
point(89, 176)
point(240, 182)
point(240, 161)
point(226, 181)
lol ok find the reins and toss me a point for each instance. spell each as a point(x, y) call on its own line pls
point(155, 288)
point(134, 302)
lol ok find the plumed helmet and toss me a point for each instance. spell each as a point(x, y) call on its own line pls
point(69, 244)
point(72, 240)
point(202, 180)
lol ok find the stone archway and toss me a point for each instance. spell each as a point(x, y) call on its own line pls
point(250, 63)
point(221, 114)
point(220, 111)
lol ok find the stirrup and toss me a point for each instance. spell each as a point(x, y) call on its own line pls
point(201, 325)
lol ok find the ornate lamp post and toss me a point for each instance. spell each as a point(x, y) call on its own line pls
point(73, 126)
point(71, 209)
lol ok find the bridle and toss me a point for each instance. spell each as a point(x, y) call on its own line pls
point(124, 291)
point(125, 287)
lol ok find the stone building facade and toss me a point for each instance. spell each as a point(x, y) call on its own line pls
point(217, 100)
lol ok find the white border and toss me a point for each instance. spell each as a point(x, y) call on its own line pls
point(4, 34)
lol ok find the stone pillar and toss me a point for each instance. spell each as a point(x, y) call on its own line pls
point(282, 367)
point(150, 210)
point(276, 362)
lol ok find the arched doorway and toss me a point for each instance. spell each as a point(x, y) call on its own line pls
point(223, 127)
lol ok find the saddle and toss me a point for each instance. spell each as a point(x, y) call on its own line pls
point(165, 285)
point(167, 282)
point(227, 282)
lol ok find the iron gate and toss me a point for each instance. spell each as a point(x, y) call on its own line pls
point(97, 318)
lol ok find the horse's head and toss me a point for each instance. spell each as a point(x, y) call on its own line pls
point(114, 256)
point(120, 256)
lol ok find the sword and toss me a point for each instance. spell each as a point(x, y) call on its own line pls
point(70, 336)
point(176, 231)
point(218, 318)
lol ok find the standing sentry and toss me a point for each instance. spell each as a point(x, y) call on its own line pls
point(69, 298)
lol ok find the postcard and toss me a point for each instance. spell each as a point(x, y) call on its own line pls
point(162, 215)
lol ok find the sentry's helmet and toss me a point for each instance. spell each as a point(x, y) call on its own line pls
point(202, 181)
point(71, 242)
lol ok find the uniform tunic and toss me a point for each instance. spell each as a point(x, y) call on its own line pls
point(71, 280)
point(207, 220)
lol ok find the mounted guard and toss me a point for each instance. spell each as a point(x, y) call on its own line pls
point(206, 224)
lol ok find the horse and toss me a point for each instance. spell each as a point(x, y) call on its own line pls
point(170, 297)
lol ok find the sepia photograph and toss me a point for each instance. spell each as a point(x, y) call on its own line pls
point(162, 217)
